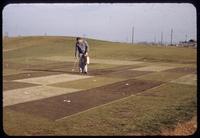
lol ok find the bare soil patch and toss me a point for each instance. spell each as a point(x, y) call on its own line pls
point(59, 106)
point(124, 68)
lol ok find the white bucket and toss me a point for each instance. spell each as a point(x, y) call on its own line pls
point(88, 60)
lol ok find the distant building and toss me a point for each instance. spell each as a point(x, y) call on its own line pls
point(190, 43)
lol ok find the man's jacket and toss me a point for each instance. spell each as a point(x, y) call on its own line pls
point(81, 48)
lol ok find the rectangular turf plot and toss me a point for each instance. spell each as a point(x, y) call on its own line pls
point(13, 71)
point(12, 65)
point(64, 105)
point(87, 83)
point(9, 85)
point(186, 70)
point(190, 79)
point(16, 96)
point(30, 75)
point(53, 79)
point(107, 71)
point(128, 74)
point(160, 76)
point(153, 68)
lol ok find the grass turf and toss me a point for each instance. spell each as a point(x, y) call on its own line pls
point(140, 114)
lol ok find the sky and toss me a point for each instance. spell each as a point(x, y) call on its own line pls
point(112, 22)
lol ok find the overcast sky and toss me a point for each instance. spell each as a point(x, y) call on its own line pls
point(112, 22)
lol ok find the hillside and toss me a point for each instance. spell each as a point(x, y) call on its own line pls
point(30, 47)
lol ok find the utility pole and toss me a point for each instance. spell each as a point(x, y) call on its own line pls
point(132, 34)
point(154, 39)
point(161, 42)
point(171, 35)
point(186, 38)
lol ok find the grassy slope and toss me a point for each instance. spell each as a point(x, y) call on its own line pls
point(136, 114)
point(64, 46)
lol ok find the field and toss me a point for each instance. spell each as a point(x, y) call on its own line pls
point(129, 90)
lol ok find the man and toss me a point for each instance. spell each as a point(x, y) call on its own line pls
point(82, 48)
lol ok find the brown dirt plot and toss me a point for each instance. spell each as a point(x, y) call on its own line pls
point(95, 72)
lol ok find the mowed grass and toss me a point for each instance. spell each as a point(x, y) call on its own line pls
point(135, 115)
point(64, 46)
